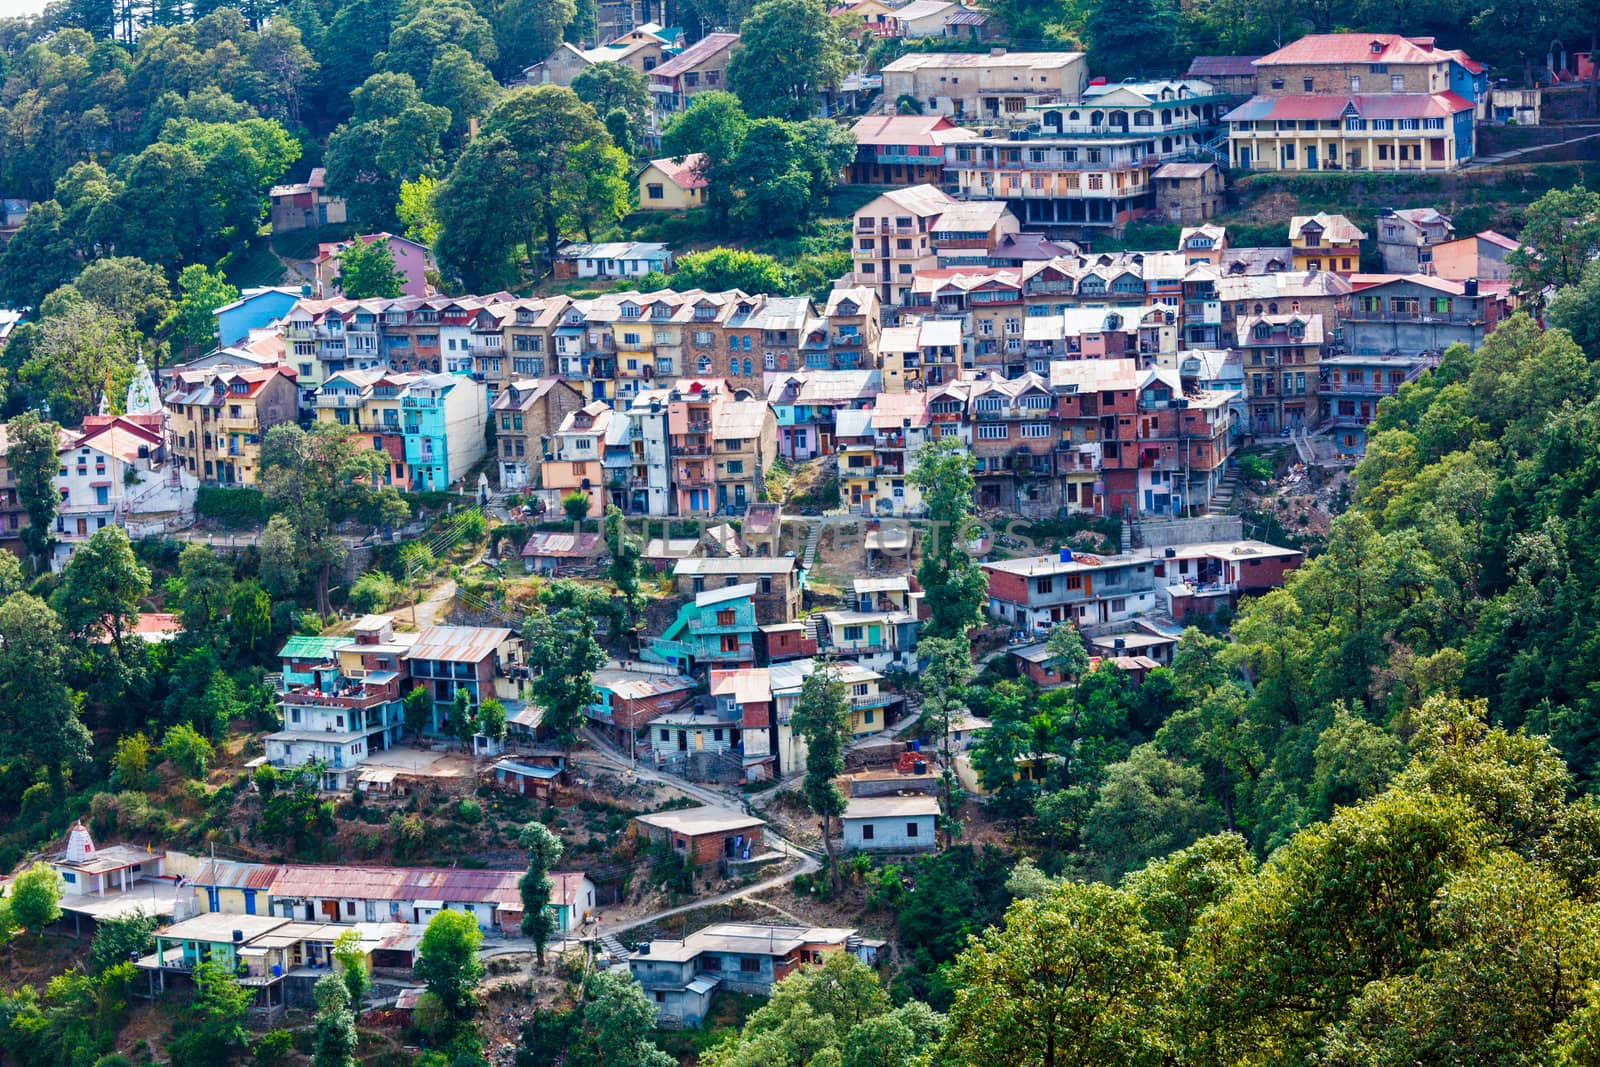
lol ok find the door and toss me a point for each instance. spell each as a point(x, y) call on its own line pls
point(1244, 159)
point(1311, 157)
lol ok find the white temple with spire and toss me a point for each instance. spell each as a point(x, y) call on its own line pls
point(143, 396)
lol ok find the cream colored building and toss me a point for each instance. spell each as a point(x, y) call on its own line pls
point(985, 86)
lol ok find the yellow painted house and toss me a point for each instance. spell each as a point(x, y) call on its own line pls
point(672, 185)
point(1325, 242)
point(217, 418)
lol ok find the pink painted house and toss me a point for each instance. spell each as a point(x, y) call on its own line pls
point(411, 259)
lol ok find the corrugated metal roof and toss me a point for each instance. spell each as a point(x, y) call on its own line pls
point(305, 646)
point(398, 883)
point(458, 644)
point(1222, 66)
point(229, 874)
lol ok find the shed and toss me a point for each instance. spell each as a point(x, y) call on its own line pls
point(891, 824)
point(705, 835)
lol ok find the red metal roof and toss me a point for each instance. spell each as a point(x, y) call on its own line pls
point(1315, 48)
point(1298, 107)
point(685, 173)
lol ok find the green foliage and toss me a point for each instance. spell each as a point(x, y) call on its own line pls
point(334, 1028)
point(563, 655)
point(447, 962)
point(36, 898)
point(954, 585)
point(416, 212)
point(789, 52)
point(719, 269)
point(367, 270)
point(1561, 234)
point(213, 1024)
point(544, 849)
point(576, 505)
point(31, 457)
point(352, 963)
point(231, 507)
point(116, 938)
point(612, 1023)
point(130, 764)
point(200, 292)
point(187, 749)
point(374, 591)
point(822, 719)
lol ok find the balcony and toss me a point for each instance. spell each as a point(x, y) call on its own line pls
point(1452, 318)
point(698, 449)
point(689, 478)
point(887, 228)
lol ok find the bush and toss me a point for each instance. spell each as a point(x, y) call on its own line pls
point(470, 810)
point(273, 1047)
point(188, 750)
point(38, 808)
point(373, 592)
point(233, 507)
point(1255, 468)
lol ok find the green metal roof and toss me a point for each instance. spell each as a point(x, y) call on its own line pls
point(304, 647)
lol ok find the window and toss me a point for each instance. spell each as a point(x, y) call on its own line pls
point(1397, 83)
point(853, 633)
point(725, 617)
point(711, 963)
point(735, 466)
point(1306, 84)
point(749, 965)
point(655, 191)
point(866, 831)
point(911, 829)
point(1035, 430)
point(1046, 585)
point(989, 432)
point(729, 643)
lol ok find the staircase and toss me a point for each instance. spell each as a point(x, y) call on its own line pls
point(1126, 532)
point(813, 628)
point(1222, 501)
point(613, 949)
point(813, 538)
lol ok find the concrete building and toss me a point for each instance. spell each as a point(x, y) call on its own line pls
point(1325, 242)
point(902, 150)
point(779, 582)
point(1085, 165)
point(681, 977)
point(891, 824)
point(218, 417)
point(1281, 356)
point(443, 422)
point(305, 205)
point(1188, 192)
point(984, 87)
point(1407, 237)
point(699, 68)
point(1412, 314)
point(528, 412)
point(1482, 256)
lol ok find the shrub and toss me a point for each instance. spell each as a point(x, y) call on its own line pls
point(38, 808)
point(470, 810)
point(188, 750)
point(233, 507)
point(273, 1047)
point(373, 592)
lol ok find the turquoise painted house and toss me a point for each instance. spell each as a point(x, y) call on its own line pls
point(443, 419)
point(716, 629)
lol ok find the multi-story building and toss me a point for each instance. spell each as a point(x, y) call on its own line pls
point(984, 87)
point(1326, 242)
point(1086, 166)
point(1014, 439)
point(1096, 408)
point(807, 403)
point(699, 68)
point(1416, 313)
point(1281, 355)
point(352, 707)
point(1407, 237)
point(305, 205)
point(1357, 101)
point(1185, 438)
point(919, 352)
point(1287, 293)
point(218, 418)
point(744, 434)
point(877, 453)
point(878, 629)
point(443, 419)
point(715, 629)
point(650, 487)
point(528, 412)
point(905, 231)
point(779, 582)
point(572, 462)
point(1233, 75)
point(1482, 256)
point(369, 402)
point(853, 319)
point(113, 473)
point(902, 150)
point(1351, 386)
point(692, 414)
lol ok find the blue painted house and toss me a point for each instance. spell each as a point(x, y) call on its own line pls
point(254, 310)
point(716, 629)
point(442, 419)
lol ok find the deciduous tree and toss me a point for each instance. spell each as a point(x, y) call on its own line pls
point(822, 719)
point(954, 586)
point(544, 849)
point(790, 52)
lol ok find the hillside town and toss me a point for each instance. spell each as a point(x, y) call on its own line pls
point(723, 533)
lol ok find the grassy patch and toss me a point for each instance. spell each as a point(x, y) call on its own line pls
point(254, 265)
